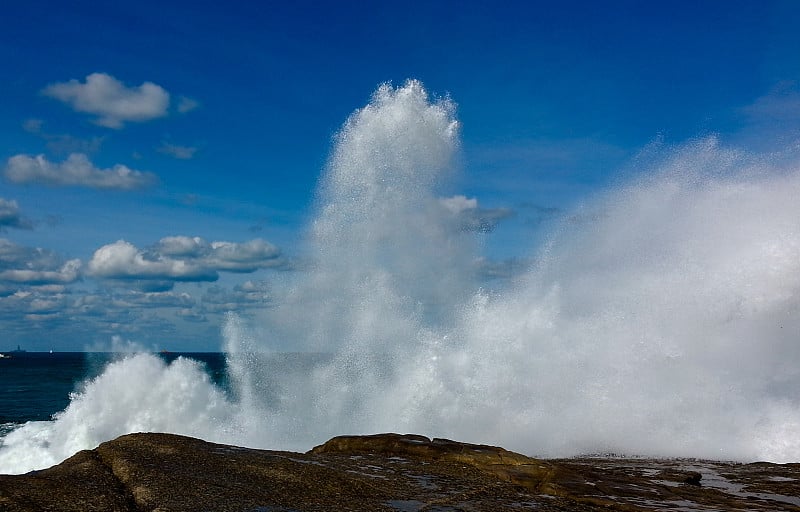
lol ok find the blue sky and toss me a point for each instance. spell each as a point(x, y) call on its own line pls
point(196, 132)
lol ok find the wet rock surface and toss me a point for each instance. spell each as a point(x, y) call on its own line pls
point(386, 472)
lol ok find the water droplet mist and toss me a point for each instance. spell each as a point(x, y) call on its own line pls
point(659, 319)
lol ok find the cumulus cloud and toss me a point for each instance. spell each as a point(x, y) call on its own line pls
point(458, 204)
point(12, 254)
point(31, 305)
point(76, 170)
point(470, 217)
point(88, 317)
point(27, 266)
point(181, 258)
point(122, 260)
point(175, 151)
point(228, 256)
point(183, 246)
point(110, 100)
point(246, 257)
point(10, 216)
point(68, 273)
point(139, 295)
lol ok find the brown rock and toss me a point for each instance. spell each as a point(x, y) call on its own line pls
point(391, 472)
point(693, 478)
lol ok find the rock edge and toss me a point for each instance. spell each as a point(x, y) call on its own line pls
point(392, 472)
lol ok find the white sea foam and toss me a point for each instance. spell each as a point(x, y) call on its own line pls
point(138, 393)
point(659, 319)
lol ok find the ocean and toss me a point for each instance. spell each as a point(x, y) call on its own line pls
point(659, 318)
point(34, 386)
point(54, 404)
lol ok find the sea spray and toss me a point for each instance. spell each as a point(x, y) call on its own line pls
point(660, 318)
point(389, 268)
point(137, 393)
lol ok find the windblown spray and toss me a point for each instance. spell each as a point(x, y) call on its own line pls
point(661, 318)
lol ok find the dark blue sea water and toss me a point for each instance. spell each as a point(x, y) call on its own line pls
point(36, 385)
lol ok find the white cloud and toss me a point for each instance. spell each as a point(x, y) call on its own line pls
point(27, 266)
point(85, 317)
point(12, 255)
point(17, 256)
point(68, 273)
point(470, 217)
point(247, 257)
point(45, 306)
point(10, 216)
point(122, 260)
point(27, 305)
point(76, 170)
point(193, 247)
point(112, 101)
point(458, 204)
point(229, 256)
point(138, 295)
point(179, 152)
point(181, 258)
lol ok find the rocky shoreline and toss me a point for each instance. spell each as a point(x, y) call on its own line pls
point(384, 472)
